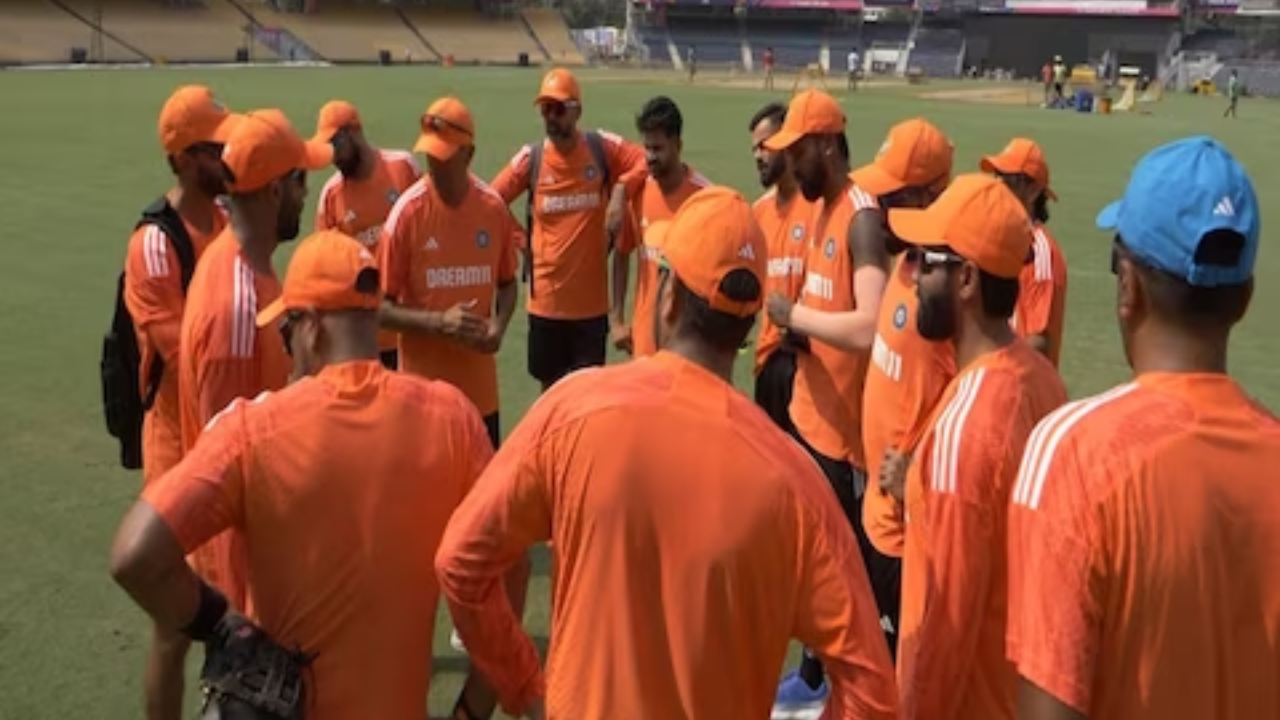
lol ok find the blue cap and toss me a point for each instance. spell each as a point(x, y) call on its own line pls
point(1177, 194)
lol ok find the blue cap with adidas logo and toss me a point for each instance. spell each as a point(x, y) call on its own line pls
point(1177, 195)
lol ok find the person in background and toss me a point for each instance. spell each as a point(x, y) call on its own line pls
point(1233, 93)
point(1042, 298)
point(768, 62)
point(1145, 522)
point(357, 198)
point(732, 508)
point(855, 69)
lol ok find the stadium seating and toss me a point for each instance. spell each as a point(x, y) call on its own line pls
point(468, 36)
point(1260, 77)
point(716, 44)
point(938, 53)
point(37, 31)
point(346, 32)
point(550, 28)
point(209, 31)
point(795, 45)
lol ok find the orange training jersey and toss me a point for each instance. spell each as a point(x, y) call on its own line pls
point(954, 568)
point(341, 485)
point(651, 206)
point(786, 227)
point(1042, 293)
point(905, 379)
point(570, 279)
point(1144, 544)
point(359, 207)
point(154, 296)
point(826, 405)
point(433, 257)
point(224, 355)
point(730, 539)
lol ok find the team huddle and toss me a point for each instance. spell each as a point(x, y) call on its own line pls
point(909, 494)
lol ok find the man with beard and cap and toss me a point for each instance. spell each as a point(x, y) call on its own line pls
point(669, 184)
point(845, 272)
point(1042, 300)
point(193, 127)
point(971, 245)
point(357, 198)
point(578, 183)
point(908, 373)
point(784, 215)
point(1144, 531)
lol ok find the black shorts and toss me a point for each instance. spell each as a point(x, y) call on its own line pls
point(492, 425)
point(558, 347)
point(884, 572)
point(390, 359)
point(774, 385)
point(1057, 88)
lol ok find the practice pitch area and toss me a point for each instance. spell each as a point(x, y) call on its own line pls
point(80, 159)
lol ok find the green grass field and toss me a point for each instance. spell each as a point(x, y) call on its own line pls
point(80, 158)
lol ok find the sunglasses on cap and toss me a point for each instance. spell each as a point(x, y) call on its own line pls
point(556, 108)
point(435, 124)
point(927, 260)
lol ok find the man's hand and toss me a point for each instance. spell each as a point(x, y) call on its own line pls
point(893, 473)
point(460, 322)
point(491, 341)
point(779, 308)
point(620, 336)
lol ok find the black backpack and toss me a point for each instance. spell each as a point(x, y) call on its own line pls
point(595, 145)
point(123, 400)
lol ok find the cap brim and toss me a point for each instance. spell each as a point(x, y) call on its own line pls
point(222, 132)
point(782, 140)
point(549, 98)
point(436, 147)
point(271, 313)
point(1109, 218)
point(876, 181)
point(316, 155)
point(990, 164)
point(324, 135)
point(916, 227)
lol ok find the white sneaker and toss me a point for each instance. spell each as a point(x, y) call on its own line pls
point(456, 642)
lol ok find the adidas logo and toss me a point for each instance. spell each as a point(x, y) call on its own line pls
point(432, 244)
point(1224, 208)
point(746, 253)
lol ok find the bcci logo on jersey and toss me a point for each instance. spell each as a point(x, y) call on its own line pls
point(482, 239)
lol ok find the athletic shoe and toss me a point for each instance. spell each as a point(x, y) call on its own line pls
point(797, 701)
point(456, 642)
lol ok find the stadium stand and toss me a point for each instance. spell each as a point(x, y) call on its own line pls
point(938, 52)
point(189, 31)
point(344, 32)
point(549, 27)
point(458, 31)
point(39, 31)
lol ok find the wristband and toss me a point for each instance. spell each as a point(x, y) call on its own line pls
point(211, 610)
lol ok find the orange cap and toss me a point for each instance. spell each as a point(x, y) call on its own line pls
point(1021, 157)
point(712, 234)
point(335, 115)
point(264, 147)
point(329, 271)
point(192, 115)
point(978, 218)
point(446, 127)
point(914, 154)
point(812, 112)
point(559, 85)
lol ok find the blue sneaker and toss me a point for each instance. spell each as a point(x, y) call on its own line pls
point(797, 701)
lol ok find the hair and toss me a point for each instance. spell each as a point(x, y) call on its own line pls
point(662, 115)
point(722, 331)
point(999, 295)
point(1176, 301)
point(774, 112)
point(1040, 208)
point(842, 146)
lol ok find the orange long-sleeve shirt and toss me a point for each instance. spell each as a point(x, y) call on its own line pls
point(683, 522)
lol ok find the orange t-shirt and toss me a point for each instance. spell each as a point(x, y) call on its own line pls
point(651, 206)
point(224, 355)
point(1042, 293)
point(433, 257)
point(359, 207)
point(570, 278)
point(826, 404)
point(153, 293)
point(786, 228)
point(341, 485)
point(906, 377)
point(1144, 539)
point(951, 659)
point(661, 555)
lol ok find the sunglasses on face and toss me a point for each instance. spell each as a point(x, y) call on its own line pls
point(927, 260)
point(206, 148)
point(557, 109)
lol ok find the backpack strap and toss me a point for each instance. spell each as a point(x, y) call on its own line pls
point(535, 166)
point(163, 215)
point(595, 144)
